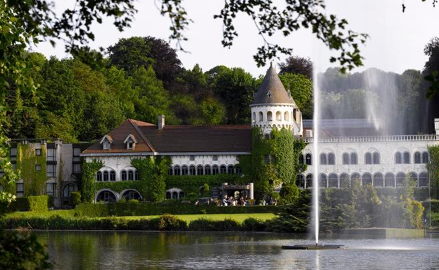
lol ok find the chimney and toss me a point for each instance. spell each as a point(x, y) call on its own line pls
point(161, 122)
point(436, 125)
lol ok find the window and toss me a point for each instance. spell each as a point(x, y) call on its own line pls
point(207, 170)
point(286, 116)
point(123, 175)
point(261, 117)
point(130, 175)
point(346, 159)
point(406, 158)
point(331, 159)
point(355, 178)
point(417, 157)
point(191, 158)
point(366, 179)
point(376, 158)
point(238, 170)
point(354, 159)
point(76, 152)
point(19, 188)
point(50, 189)
point(200, 170)
point(51, 154)
point(171, 171)
point(215, 158)
point(323, 181)
point(269, 116)
point(68, 189)
point(333, 180)
point(223, 169)
point(344, 180)
point(378, 180)
point(51, 170)
point(99, 176)
point(323, 160)
point(309, 180)
point(106, 196)
point(13, 152)
point(192, 170)
point(76, 168)
point(37, 167)
point(38, 152)
point(400, 179)
point(425, 158)
point(278, 116)
point(300, 181)
point(130, 145)
point(389, 180)
point(106, 176)
point(230, 169)
point(184, 170)
point(253, 117)
point(308, 159)
point(398, 158)
point(423, 180)
point(177, 170)
point(112, 175)
point(368, 158)
point(215, 169)
point(106, 145)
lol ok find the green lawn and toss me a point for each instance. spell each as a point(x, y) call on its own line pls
point(188, 218)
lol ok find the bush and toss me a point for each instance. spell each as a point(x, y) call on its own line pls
point(167, 223)
point(31, 203)
point(253, 224)
point(214, 225)
point(20, 204)
point(76, 198)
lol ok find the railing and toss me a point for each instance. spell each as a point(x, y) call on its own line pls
point(391, 138)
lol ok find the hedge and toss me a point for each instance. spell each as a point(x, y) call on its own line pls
point(31, 203)
point(143, 209)
point(162, 223)
point(434, 205)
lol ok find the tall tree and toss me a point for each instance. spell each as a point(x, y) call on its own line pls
point(297, 65)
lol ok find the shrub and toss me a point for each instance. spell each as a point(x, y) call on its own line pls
point(76, 198)
point(214, 225)
point(167, 223)
point(253, 224)
point(31, 203)
point(20, 204)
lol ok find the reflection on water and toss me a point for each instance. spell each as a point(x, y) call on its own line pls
point(196, 250)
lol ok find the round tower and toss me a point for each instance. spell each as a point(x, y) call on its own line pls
point(273, 106)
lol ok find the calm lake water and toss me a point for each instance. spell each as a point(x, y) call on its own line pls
point(212, 250)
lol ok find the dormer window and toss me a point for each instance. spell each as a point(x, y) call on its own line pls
point(106, 142)
point(130, 142)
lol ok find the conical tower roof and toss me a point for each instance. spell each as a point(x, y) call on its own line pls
point(272, 90)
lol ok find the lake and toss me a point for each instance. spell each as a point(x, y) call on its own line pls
point(234, 250)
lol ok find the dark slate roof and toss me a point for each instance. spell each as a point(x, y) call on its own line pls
point(272, 90)
point(343, 127)
point(176, 138)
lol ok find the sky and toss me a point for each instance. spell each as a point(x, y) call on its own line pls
point(396, 39)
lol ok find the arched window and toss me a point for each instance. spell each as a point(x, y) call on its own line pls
point(300, 181)
point(354, 159)
point(309, 180)
point(293, 115)
point(131, 195)
point(331, 159)
point(376, 158)
point(423, 180)
point(366, 179)
point(254, 117)
point(323, 181)
point(413, 177)
point(406, 157)
point(192, 170)
point(333, 180)
point(261, 117)
point(223, 169)
point(355, 178)
point(400, 179)
point(425, 158)
point(398, 158)
point(389, 180)
point(106, 176)
point(238, 170)
point(230, 169)
point(99, 176)
point(417, 157)
point(308, 159)
point(269, 116)
point(286, 116)
point(278, 116)
point(177, 170)
point(215, 169)
point(112, 175)
point(106, 196)
point(323, 160)
point(368, 158)
point(344, 180)
point(171, 171)
point(301, 159)
point(346, 159)
point(207, 170)
point(184, 170)
point(378, 180)
point(130, 175)
point(200, 170)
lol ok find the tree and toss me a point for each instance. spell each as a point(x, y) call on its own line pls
point(297, 65)
point(301, 90)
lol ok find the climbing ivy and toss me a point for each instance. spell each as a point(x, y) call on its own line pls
point(274, 161)
point(88, 179)
point(152, 175)
point(433, 170)
point(27, 163)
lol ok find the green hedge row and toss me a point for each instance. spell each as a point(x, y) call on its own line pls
point(163, 223)
point(434, 205)
point(31, 203)
point(143, 209)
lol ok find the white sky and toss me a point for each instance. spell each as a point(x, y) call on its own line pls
point(396, 39)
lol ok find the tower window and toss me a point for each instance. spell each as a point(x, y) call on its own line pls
point(261, 117)
point(269, 116)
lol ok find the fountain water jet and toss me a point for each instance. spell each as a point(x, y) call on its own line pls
point(315, 184)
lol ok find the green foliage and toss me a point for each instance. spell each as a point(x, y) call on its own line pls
point(31, 203)
point(210, 225)
point(27, 160)
point(433, 171)
point(192, 184)
point(254, 225)
point(20, 204)
point(88, 180)
point(21, 250)
point(273, 161)
point(152, 174)
point(301, 90)
point(168, 223)
point(75, 197)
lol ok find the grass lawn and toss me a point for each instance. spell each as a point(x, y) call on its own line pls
point(188, 218)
